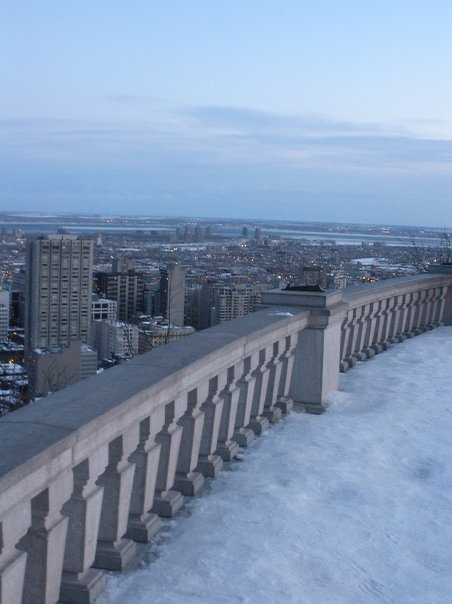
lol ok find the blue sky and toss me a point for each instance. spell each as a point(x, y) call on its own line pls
point(308, 110)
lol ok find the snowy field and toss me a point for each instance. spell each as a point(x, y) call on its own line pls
point(353, 506)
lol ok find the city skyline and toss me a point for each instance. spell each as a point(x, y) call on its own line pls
point(309, 113)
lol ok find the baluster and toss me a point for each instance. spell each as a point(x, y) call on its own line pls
point(80, 583)
point(274, 366)
point(358, 335)
point(227, 448)
point(284, 402)
point(258, 422)
point(242, 435)
point(350, 326)
point(114, 551)
point(394, 319)
point(440, 303)
point(371, 324)
point(188, 481)
point(411, 307)
point(144, 524)
point(13, 528)
point(403, 317)
point(381, 316)
point(45, 542)
point(209, 463)
point(429, 310)
point(168, 502)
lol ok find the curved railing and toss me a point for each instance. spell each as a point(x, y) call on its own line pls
point(389, 312)
point(86, 473)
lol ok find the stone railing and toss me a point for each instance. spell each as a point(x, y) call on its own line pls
point(86, 473)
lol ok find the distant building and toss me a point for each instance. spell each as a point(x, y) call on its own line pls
point(4, 314)
point(172, 294)
point(126, 288)
point(57, 310)
point(115, 339)
point(52, 369)
point(198, 303)
point(232, 302)
point(58, 290)
point(154, 335)
point(103, 309)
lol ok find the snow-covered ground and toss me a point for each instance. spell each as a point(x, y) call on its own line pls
point(353, 506)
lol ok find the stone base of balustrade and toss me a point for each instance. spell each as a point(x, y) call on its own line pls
point(210, 466)
point(258, 424)
point(285, 404)
point(115, 556)
point(273, 414)
point(167, 504)
point(143, 528)
point(315, 408)
point(81, 588)
point(369, 352)
point(243, 437)
point(227, 451)
point(189, 484)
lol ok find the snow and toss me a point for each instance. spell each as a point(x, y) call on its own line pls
point(350, 507)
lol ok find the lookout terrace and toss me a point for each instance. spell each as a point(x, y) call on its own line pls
point(87, 473)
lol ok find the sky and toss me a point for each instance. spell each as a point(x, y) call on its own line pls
point(326, 110)
point(350, 507)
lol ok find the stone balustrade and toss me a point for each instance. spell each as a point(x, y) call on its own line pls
point(86, 473)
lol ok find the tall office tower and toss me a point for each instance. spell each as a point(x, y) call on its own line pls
point(58, 290)
point(126, 288)
point(172, 293)
point(4, 314)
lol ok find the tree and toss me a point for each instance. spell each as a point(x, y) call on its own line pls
point(421, 256)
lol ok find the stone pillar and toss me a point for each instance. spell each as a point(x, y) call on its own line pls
point(210, 464)
point(227, 448)
point(188, 481)
point(114, 551)
point(13, 527)
point(45, 543)
point(168, 502)
point(258, 422)
point(242, 435)
point(284, 402)
point(274, 366)
point(316, 366)
point(81, 584)
point(144, 524)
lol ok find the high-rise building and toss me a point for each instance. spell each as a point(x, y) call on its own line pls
point(4, 314)
point(58, 290)
point(126, 288)
point(172, 293)
point(234, 301)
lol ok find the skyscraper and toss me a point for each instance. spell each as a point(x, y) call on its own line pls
point(172, 293)
point(58, 290)
point(126, 288)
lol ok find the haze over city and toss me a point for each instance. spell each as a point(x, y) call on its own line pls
point(300, 111)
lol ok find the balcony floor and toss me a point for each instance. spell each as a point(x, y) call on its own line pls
point(353, 506)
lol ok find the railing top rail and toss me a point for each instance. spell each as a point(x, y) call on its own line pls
point(363, 294)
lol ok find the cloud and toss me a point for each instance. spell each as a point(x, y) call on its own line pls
point(228, 137)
